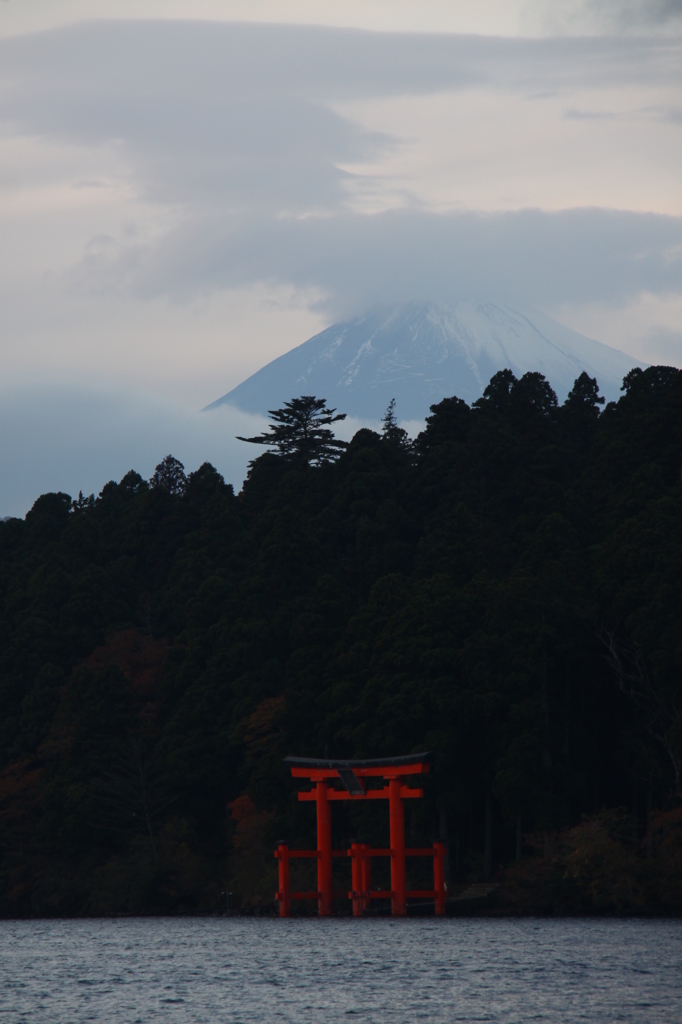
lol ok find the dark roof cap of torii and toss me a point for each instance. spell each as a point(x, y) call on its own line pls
point(378, 762)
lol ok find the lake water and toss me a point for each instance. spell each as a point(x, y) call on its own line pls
point(322, 972)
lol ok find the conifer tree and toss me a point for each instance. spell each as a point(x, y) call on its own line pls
point(391, 432)
point(300, 431)
point(584, 398)
point(169, 475)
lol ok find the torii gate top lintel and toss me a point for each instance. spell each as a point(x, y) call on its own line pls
point(330, 768)
point(375, 762)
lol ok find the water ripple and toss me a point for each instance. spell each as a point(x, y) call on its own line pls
point(246, 971)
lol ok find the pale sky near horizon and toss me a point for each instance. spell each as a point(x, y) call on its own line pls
point(188, 189)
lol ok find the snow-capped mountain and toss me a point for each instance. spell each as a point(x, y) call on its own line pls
point(419, 354)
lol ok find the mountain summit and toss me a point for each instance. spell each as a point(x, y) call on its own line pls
point(419, 354)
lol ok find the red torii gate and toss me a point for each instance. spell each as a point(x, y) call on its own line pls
point(393, 770)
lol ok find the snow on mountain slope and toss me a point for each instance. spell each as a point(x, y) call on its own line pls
point(419, 354)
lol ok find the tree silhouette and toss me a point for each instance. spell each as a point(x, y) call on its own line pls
point(532, 395)
point(300, 432)
point(170, 476)
point(391, 432)
point(584, 398)
point(497, 394)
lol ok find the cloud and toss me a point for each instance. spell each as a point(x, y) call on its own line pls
point(633, 13)
point(61, 437)
point(356, 261)
point(236, 126)
point(605, 16)
point(243, 115)
point(665, 346)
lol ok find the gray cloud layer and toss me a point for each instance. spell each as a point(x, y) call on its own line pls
point(357, 261)
point(135, 64)
point(233, 125)
point(621, 14)
point(240, 114)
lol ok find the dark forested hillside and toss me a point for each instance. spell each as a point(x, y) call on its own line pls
point(505, 592)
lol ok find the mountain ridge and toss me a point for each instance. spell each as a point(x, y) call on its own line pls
point(420, 353)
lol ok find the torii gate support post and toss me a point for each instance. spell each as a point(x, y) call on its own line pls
point(284, 894)
point(324, 849)
point(397, 824)
point(356, 874)
point(366, 877)
point(439, 876)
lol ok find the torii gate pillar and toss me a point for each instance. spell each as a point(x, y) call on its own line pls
point(397, 824)
point(324, 849)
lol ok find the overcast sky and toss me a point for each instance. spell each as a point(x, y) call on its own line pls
point(188, 189)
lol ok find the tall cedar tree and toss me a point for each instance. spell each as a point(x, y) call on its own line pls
point(301, 431)
point(391, 432)
point(169, 475)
